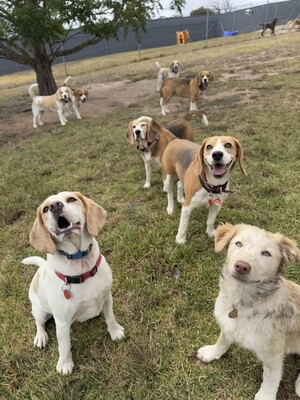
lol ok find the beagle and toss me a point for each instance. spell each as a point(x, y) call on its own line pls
point(257, 307)
point(183, 87)
point(152, 138)
point(80, 95)
point(74, 282)
point(203, 173)
point(167, 73)
point(56, 102)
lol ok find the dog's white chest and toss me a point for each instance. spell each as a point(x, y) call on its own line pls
point(202, 197)
point(149, 159)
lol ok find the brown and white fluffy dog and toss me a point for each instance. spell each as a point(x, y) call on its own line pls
point(203, 173)
point(167, 73)
point(56, 102)
point(256, 307)
point(191, 89)
point(152, 138)
point(74, 282)
point(80, 95)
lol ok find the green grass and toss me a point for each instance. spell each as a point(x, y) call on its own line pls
point(163, 293)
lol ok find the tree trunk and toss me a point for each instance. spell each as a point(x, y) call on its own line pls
point(45, 78)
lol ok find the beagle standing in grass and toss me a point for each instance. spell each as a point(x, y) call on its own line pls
point(256, 307)
point(167, 73)
point(80, 95)
point(191, 89)
point(74, 282)
point(56, 102)
point(152, 138)
point(203, 173)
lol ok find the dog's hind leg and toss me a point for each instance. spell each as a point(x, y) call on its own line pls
point(214, 352)
point(115, 330)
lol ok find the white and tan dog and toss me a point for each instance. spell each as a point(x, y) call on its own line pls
point(256, 306)
point(191, 89)
point(79, 95)
point(167, 73)
point(56, 102)
point(152, 138)
point(74, 282)
point(203, 173)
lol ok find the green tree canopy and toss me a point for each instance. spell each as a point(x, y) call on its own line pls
point(36, 32)
point(201, 11)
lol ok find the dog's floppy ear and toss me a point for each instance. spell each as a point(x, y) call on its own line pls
point(39, 237)
point(129, 135)
point(154, 129)
point(224, 233)
point(58, 94)
point(70, 92)
point(240, 156)
point(211, 76)
point(289, 251)
point(200, 158)
point(95, 214)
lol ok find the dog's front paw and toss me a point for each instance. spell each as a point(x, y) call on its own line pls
point(117, 332)
point(65, 367)
point(180, 239)
point(210, 232)
point(297, 386)
point(208, 353)
point(147, 185)
point(264, 395)
point(41, 340)
point(170, 210)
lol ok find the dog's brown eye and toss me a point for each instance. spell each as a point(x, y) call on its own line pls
point(71, 200)
point(266, 253)
point(209, 147)
point(228, 145)
point(133, 126)
point(45, 209)
point(239, 244)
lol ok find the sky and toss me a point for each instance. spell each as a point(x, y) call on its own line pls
point(193, 4)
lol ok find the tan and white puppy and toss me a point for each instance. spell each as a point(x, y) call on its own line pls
point(256, 306)
point(191, 89)
point(203, 173)
point(56, 102)
point(74, 282)
point(80, 95)
point(152, 138)
point(167, 73)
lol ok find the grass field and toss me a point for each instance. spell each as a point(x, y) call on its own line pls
point(163, 293)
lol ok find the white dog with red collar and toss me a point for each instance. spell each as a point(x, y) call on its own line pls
point(74, 283)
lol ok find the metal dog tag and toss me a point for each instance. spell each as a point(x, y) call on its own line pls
point(233, 313)
point(218, 202)
point(210, 200)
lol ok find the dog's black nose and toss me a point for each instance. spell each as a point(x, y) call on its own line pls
point(217, 155)
point(137, 132)
point(56, 207)
point(242, 267)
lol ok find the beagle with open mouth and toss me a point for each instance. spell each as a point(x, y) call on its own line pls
point(80, 95)
point(56, 102)
point(191, 89)
point(74, 282)
point(152, 138)
point(167, 73)
point(203, 173)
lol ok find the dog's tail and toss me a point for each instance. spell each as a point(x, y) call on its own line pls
point(158, 65)
point(35, 260)
point(198, 114)
point(30, 90)
point(66, 81)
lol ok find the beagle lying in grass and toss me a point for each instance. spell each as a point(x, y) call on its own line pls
point(74, 282)
point(152, 138)
point(256, 306)
point(191, 89)
point(56, 102)
point(203, 173)
point(80, 95)
point(167, 73)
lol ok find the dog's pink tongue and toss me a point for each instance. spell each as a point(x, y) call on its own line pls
point(219, 169)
